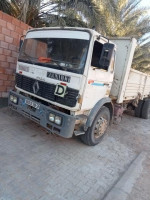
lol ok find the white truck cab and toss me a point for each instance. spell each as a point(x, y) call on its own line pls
point(64, 79)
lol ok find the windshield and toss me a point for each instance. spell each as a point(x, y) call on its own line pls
point(58, 53)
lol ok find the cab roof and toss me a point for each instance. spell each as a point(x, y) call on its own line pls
point(91, 31)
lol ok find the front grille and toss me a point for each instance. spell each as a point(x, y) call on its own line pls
point(46, 90)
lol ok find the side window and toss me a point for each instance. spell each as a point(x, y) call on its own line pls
point(97, 51)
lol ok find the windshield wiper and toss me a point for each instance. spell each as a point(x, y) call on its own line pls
point(56, 63)
point(62, 64)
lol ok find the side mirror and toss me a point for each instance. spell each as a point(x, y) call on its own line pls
point(106, 55)
point(21, 41)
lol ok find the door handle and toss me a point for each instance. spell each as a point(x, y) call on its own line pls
point(107, 84)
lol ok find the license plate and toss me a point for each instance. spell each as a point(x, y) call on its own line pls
point(31, 103)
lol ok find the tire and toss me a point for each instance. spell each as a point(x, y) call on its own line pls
point(138, 110)
point(93, 135)
point(146, 109)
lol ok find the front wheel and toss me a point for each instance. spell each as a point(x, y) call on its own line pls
point(95, 133)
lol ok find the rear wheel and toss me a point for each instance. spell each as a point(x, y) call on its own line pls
point(95, 133)
point(146, 109)
point(138, 110)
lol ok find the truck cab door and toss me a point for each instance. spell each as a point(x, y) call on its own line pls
point(100, 75)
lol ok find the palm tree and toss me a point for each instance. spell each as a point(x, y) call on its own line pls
point(37, 13)
point(5, 6)
point(122, 18)
point(142, 56)
point(28, 11)
point(72, 13)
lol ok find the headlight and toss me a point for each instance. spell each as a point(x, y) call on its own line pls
point(51, 117)
point(15, 100)
point(11, 98)
point(54, 118)
point(58, 120)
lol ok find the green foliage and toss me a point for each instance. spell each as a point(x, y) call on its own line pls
point(5, 7)
point(72, 13)
point(27, 11)
point(125, 18)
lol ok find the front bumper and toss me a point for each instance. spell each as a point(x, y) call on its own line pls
point(41, 116)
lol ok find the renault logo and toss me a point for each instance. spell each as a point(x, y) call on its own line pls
point(36, 87)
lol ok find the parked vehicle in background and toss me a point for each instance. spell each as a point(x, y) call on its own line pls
point(75, 81)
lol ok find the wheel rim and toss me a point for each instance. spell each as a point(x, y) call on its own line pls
point(100, 127)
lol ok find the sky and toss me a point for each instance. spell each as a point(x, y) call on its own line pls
point(146, 3)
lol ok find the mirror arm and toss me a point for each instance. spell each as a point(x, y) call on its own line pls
point(21, 41)
point(99, 37)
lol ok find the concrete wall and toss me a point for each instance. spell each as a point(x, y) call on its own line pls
point(10, 31)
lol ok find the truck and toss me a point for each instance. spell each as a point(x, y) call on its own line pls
point(74, 81)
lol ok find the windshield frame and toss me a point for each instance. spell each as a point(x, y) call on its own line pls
point(57, 67)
